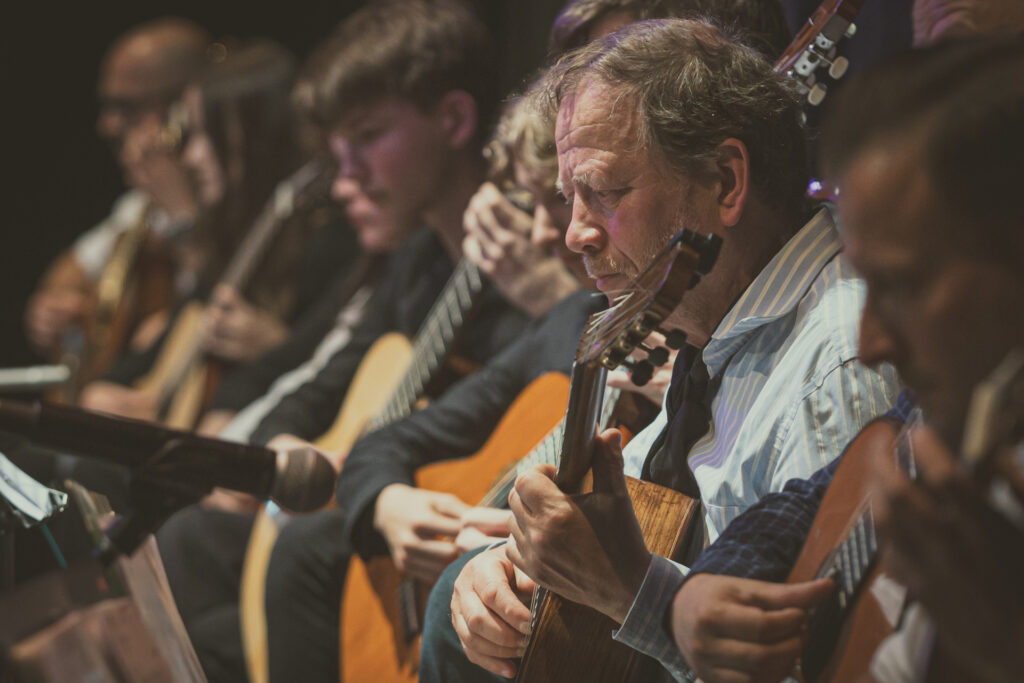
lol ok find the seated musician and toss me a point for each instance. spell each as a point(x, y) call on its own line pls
point(405, 87)
point(941, 307)
point(241, 142)
point(144, 71)
point(773, 326)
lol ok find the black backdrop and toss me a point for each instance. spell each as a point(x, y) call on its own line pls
point(60, 179)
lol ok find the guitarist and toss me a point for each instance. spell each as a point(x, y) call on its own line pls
point(944, 307)
point(781, 388)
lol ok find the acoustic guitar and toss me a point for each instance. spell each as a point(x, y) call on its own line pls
point(846, 629)
point(179, 378)
point(569, 641)
point(389, 384)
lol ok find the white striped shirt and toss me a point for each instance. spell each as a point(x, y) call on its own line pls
point(788, 394)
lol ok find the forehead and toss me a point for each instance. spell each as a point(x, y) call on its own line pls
point(383, 111)
point(887, 206)
point(598, 120)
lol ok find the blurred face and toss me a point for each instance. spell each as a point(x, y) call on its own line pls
point(199, 156)
point(128, 98)
point(551, 216)
point(391, 159)
point(935, 19)
point(625, 204)
point(944, 315)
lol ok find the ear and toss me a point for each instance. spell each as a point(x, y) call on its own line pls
point(457, 113)
point(733, 175)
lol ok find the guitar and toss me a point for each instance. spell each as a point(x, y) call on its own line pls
point(816, 46)
point(389, 383)
point(569, 641)
point(179, 380)
point(847, 629)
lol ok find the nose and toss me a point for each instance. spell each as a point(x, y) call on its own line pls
point(110, 123)
point(344, 188)
point(351, 164)
point(584, 234)
point(875, 344)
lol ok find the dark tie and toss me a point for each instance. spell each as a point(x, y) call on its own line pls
point(688, 420)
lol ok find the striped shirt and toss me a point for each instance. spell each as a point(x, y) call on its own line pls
point(787, 395)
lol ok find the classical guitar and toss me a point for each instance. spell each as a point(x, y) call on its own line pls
point(179, 377)
point(847, 629)
point(391, 380)
point(570, 641)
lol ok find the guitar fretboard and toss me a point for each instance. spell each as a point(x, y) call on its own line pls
point(852, 559)
point(443, 323)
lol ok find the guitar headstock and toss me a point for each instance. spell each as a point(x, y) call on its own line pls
point(816, 47)
point(613, 334)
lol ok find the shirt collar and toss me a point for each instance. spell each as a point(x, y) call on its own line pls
point(777, 289)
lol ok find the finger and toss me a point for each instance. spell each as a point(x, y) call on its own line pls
point(470, 538)
point(431, 550)
point(525, 587)
point(449, 506)
point(779, 596)
point(487, 625)
point(607, 463)
point(536, 492)
point(489, 521)
point(756, 625)
point(437, 525)
point(761, 661)
point(482, 646)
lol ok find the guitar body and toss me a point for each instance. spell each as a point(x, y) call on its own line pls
point(843, 649)
point(380, 371)
point(571, 642)
point(176, 354)
point(373, 646)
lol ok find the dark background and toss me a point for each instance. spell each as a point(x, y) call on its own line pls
point(60, 178)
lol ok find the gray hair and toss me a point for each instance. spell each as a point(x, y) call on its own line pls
point(694, 87)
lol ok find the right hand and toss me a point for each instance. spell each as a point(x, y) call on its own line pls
point(741, 630)
point(53, 311)
point(419, 527)
point(490, 613)
point(117, 399)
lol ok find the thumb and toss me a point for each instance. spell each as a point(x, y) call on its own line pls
point(608, 464)
point(802, 595)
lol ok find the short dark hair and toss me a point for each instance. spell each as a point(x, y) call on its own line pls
point(694, 87)
point(762, 22)
point(962, 105)
point(417, 50)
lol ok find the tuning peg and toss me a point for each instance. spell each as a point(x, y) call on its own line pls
point(640, 372)
point(817, 94)
point(658, 355)
point(851, 30)
point(674, 339)
point(839, 67)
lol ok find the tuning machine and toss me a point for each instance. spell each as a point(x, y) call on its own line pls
point(640, 371)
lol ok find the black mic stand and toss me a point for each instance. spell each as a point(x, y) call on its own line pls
point(154, 497)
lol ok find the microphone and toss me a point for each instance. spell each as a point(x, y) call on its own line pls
point(300, 480)
point(33, 378)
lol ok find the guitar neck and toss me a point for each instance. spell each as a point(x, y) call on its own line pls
point(586, 393)
point(434, 340)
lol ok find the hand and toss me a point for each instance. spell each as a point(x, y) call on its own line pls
point(732, 629)
point(289, 442)
point(152, 166)
point(961, 558)
point(498, 242)
point(489, 611)
point(482, 526)
point(655, 389)
point(555, 538)
point(231, 501)
point(52, 312)
point(117, 399)
point(235, 330)
point(411, 520)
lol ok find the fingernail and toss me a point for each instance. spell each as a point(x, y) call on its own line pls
point(524, 628)
point(507, 671)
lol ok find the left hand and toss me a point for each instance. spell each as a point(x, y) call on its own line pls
point(555, 538)
point(235, 330)
point(955, 553)
point(482, 526)
point(654, 390)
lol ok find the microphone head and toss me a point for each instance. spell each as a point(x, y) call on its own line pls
point(303, 481)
